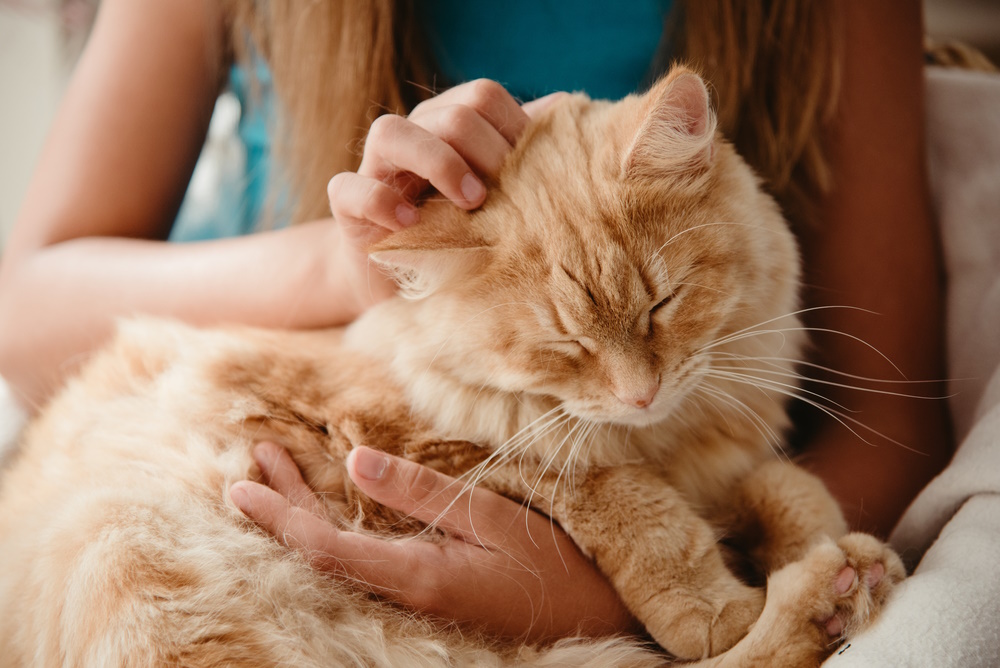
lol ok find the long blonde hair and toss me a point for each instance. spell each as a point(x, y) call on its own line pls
point(338, 64)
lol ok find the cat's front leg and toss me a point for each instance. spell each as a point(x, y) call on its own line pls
point(662, 558)
point(778, 512)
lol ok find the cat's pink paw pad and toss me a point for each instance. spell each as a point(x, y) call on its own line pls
point(834, 626)
point(844, 584)
point(875, 575)
point(845, 581)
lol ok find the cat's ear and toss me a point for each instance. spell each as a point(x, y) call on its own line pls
point(676, 129)
point(423, 262)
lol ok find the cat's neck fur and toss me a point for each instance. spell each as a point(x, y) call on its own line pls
point(487, 416)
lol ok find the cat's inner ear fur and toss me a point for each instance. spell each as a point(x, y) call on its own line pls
point(422, 261)
point(676, 129)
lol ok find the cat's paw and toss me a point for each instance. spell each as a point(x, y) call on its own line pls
point(872, 571)
point(697, 625)
point(836, 590)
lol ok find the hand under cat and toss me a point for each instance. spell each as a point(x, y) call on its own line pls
point(447, 144)
point(505, 569)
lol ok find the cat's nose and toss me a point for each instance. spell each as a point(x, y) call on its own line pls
point(639, 396)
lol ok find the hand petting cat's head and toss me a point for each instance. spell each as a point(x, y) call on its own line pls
point(622, 247)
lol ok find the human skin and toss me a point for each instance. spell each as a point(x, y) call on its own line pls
point(88, 248)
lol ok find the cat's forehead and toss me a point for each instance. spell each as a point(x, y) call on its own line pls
point(565, 203)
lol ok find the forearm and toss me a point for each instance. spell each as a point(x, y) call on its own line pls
point(66, 297)
point(875, 481)
point(874, 263)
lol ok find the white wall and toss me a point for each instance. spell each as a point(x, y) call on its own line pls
point(31, 83)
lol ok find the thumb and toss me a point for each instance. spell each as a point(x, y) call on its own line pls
point(475, 515)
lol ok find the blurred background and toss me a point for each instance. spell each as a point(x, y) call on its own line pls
point(41, 39)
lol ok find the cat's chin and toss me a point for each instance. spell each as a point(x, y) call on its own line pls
point(632, 418)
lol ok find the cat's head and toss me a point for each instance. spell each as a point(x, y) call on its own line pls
point(621, 246)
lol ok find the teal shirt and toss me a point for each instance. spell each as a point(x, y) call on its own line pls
point(532, 47)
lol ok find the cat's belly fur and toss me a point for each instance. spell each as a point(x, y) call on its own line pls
point(120, 546)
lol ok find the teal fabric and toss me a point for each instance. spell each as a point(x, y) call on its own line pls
point(533, 47)
point(239, 204)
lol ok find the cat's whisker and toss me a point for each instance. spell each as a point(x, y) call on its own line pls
point(697, 400)
point(783, 362)
point(734, 375)
point(550, 456)
point(518, 443)
point(500, 456)
point(541, 468)
point(839, 416)
point(823, 330)
point(702, 226)
point(859, 388)
point(755, 419)
point(799, 312)
point(570, 463)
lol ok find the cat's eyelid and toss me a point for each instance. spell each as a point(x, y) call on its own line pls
point(584, 343)
point(663, 302)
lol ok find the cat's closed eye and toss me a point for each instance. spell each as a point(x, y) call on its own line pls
point(660, 304)
point(659, 307)
point(575, 347)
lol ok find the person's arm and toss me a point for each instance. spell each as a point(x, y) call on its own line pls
point(87, 246)
point(876, 248)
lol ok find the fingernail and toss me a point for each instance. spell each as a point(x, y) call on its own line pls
point(407, 215)
point(239, 497)
point(370, 464)
point(472, 188)
point(264, 453)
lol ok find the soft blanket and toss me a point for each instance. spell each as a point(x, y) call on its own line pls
point(948, 613)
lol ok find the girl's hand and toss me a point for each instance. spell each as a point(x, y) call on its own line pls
point(448, 143)
point(505, 569)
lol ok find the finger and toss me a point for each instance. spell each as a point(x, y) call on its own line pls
point(477, 516)
point(489, 99)
point(361, 198)
point(480, 144)
point(283, 476)
point(395, 144)
point(396, 569)
point(535, 107)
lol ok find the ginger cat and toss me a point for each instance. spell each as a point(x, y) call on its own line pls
point(614, 328)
